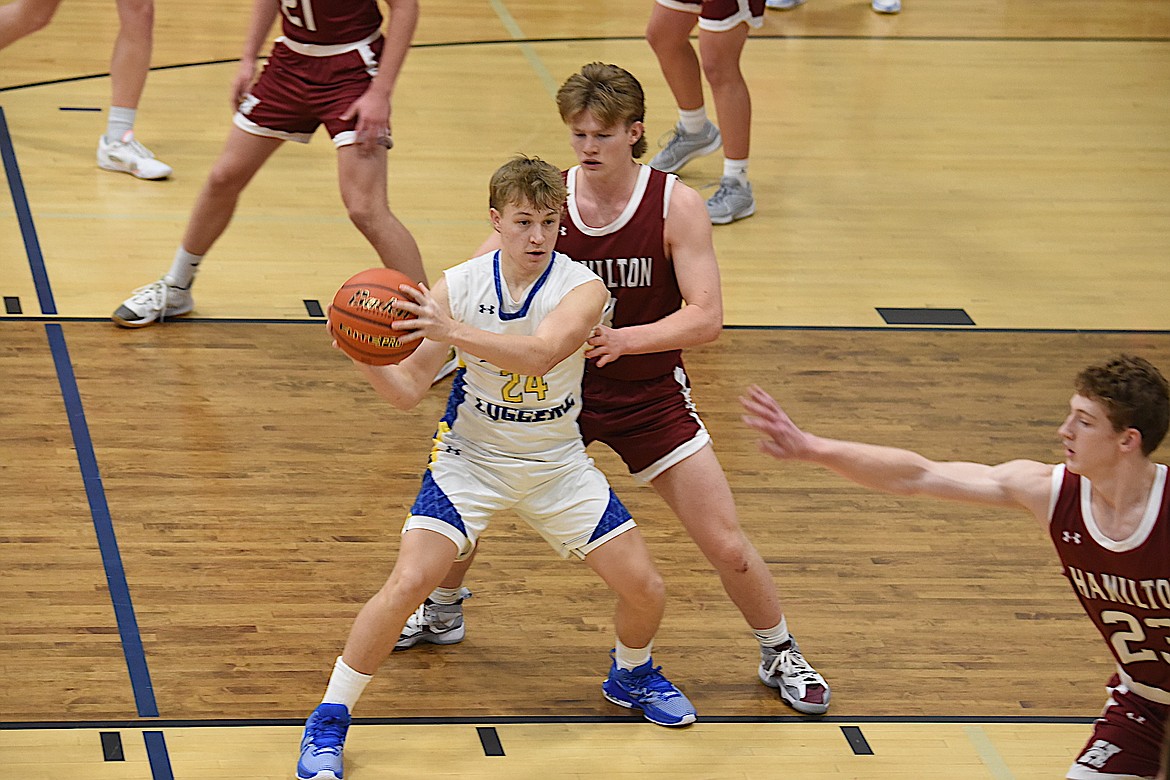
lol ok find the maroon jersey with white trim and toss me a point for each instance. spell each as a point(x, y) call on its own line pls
point(1123, 585)
point(629, 255)
point(330, 22)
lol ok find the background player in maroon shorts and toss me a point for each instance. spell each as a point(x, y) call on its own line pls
point(646, 235)
point(1107, 509)
point(332, 66)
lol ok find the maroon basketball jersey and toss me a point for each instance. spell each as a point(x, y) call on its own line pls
point(630, 257)
point(1124, 586)
point(330, 22)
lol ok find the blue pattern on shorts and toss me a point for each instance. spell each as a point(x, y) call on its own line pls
point(433, 502)
point(615, 514)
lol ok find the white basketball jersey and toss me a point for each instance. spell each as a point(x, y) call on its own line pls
point(496, 413)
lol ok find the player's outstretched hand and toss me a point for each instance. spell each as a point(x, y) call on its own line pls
point(782, 439)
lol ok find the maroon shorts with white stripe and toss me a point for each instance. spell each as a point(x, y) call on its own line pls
point(651, 423)
point(1126, 740)
point(298, 93)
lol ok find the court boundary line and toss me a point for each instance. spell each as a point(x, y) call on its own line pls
point(627, 38)
point(497, 720)
point(831, 328)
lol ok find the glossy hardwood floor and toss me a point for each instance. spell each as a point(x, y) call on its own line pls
point(1006, 159)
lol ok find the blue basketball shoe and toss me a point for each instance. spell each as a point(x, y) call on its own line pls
point(645, 688)
point(321, 746)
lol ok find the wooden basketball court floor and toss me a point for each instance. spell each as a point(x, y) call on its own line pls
point(194, 512)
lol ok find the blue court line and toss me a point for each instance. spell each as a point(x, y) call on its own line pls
point(156, 753)
point(104, 526)
point(28, 231)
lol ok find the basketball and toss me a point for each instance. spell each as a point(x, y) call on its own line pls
point(362, 313)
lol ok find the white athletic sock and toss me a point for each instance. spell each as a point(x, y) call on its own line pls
point(774, 637)
point(183, 269)
point(119, 121)
point(692, 121)
point(345, 685)
point(447, 595)
point(631, 657)
point(737, 169)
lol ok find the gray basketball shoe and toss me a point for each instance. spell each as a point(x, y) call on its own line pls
point(684, 147)
point(439, 624)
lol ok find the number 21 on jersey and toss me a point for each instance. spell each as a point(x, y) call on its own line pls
point(300, 13)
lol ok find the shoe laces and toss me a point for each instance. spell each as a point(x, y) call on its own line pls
point(793, 667)
point(327, 733)
point(153, 295)
point(135, 146)
point(651, 683)
point(726, 191)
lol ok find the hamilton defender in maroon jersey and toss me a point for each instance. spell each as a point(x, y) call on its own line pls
point(1107, 509)
point(332, 66)
point(647, 235)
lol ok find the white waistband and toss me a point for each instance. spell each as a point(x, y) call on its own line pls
point(332, 50)
point(1143, 690)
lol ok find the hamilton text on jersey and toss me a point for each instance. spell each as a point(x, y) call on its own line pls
point(623, 271)
point(1119, 589)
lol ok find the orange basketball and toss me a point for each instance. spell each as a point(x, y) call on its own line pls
point(362, 312)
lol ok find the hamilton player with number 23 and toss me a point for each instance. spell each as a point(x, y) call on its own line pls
point(1107, 510)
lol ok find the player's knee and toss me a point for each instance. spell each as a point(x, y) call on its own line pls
point(367, 214)
point(730, 553)
point(649, 589)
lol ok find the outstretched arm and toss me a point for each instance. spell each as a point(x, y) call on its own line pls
point(1018, 483)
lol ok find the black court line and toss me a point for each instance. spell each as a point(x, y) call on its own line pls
point(12, 305)
point(895, 316)
point(504, 720)
point(80, 108)
point(112, 746)
point(856, 741)
point(182, 321)
point(28, 231)
point(639, 38)
point(490, 741)
point(313, 308)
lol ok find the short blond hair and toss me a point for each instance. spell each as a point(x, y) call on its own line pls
point(524, 180)
point(608, 92)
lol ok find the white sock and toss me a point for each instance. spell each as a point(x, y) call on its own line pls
point(773, 637)
point(119, 121)
point(692, 121)
point(631, 657)
point(183, 269)
point(736, 169)
point(447, 595)
point(345, 685)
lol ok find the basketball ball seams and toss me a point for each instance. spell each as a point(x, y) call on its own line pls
point(363, 312)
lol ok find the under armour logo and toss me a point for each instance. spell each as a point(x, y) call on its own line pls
point(1068, 536)
point(487, 309)
point(1098, 753)
point(1135, 718)
point(564, 230)
point(452, 450)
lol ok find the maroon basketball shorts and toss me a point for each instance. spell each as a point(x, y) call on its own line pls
point(1126, 739)
point(303, 87)
point(720, 15)
point(652, 424)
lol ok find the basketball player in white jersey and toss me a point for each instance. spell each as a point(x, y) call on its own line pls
point(518, 318)
point(1107, 510)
